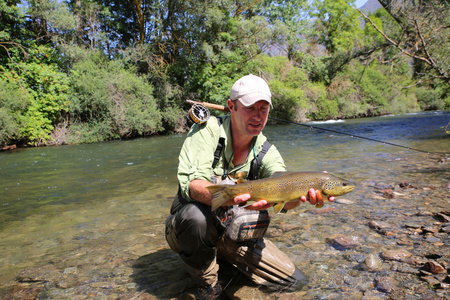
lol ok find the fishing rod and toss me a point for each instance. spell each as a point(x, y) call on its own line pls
point(199, 113)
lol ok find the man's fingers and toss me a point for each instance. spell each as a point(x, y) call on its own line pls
point(319, 198)
point(312, 196)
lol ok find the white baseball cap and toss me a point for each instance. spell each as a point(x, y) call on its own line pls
point(251, 89)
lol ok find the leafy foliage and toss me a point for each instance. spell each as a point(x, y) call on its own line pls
point(109, 101)
point(94, 70)
point(46, 94)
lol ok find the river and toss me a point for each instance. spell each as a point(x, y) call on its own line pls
point(83, 221)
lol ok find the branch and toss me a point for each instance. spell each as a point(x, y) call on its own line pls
point(424, 45)
point(413, 85)
point(397, 45)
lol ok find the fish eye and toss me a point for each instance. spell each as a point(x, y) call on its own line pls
point(344, 184)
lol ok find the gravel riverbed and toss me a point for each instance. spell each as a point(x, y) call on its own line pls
point(389, 239)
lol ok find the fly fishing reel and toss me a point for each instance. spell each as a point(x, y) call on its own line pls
point(199, 113)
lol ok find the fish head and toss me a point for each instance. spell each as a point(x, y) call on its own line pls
point(336, 187)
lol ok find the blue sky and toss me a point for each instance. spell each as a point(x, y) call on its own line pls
point(360, 3)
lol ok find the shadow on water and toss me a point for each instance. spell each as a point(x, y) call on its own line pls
point(162, 274)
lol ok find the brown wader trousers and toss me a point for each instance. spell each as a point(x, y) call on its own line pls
point(196, 234)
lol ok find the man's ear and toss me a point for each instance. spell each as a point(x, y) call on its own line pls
point(231, 104)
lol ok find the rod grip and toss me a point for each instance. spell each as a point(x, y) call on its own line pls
point(209, 105)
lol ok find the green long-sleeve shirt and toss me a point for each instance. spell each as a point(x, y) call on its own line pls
point(197, 155)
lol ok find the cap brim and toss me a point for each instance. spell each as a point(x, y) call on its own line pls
point(249, 100)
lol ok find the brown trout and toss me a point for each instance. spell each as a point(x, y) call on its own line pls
point(281, 188)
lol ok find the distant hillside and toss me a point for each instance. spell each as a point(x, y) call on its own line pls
point(371, 6)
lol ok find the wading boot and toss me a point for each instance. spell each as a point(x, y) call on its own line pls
point(209, 292)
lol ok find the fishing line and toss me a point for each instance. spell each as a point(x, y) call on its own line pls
point(356, 136)
point(207, 105)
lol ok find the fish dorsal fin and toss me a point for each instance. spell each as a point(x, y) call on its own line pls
point(278, 174)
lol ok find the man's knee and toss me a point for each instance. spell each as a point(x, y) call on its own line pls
point(190, 219)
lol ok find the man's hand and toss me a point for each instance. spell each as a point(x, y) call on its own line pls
point(241, 199)
point(314, 197)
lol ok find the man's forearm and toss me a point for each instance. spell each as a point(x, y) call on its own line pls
point(198, 191)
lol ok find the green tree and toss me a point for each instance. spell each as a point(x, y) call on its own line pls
point(423, 35)
point(290, 23)
point(337, 25)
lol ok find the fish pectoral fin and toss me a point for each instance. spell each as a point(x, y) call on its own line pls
point(278, 207)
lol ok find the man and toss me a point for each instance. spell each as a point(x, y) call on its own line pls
point(213, 152)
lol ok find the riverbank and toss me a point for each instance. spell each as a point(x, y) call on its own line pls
point(185, 125)
point(389, 239)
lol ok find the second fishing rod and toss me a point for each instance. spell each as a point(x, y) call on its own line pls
point(199, 113)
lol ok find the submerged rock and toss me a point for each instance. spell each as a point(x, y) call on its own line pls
point(386, 284)
point(398, 254)
point(372, 263)
point(434, 267)
point(342, 241)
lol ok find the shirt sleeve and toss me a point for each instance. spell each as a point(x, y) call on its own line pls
point(197, 154)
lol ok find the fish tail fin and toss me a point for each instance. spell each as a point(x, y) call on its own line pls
point(219, 194)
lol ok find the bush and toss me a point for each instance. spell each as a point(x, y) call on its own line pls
point(108, 101)
point(323, 108)
point(13, 100)
point(37, 96)
point(348, 98)
point(429, 99)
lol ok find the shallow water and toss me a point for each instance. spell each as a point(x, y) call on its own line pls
point(96, 211)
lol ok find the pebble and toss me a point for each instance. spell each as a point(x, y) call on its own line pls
point(434, 267)
point(413, 225)
point(344, 201)
point(398, 254)
point(430, 229)
point(443, 216)
point(431, 280)
point(388, 193)
point(386, 284)
point(342, 241)
point(372, 262)
point(379, 225)
point(70, 270)
point(446, 229)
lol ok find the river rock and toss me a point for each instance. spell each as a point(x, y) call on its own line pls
point(430, 229)
point(345, 241)
point(446, 229)
point(386, 284)
point(398, 254)
point(344, 201)
point(434, 267)
point(388, 193)
point(406, 185)
point(431, 280)
point(372, 263)
point(379, 225)
point(413, 225)
point(443, 216)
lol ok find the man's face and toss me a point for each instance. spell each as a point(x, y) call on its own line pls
point(251, 120)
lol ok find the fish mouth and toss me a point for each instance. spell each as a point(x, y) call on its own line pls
point(344, 190)
point(349, 188)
